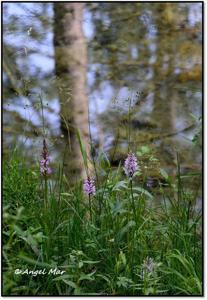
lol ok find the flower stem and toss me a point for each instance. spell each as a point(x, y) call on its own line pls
point(133, 203)
point(46, 192)
point(89, 198)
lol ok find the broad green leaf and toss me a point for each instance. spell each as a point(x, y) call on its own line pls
point(105, 278)
point(91, 261)
point(118, 208)
point(143, 191)
point(65, 276)
point(35, 262)
point(65, 194)
point(80, 264)
point(87, 276)
point(119, 185)
point(70, 283)
point(125, 229)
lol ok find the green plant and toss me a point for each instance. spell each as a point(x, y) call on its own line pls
point(154, 251)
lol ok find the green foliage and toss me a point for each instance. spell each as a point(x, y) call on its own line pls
point(182, 274)
point(20, 183)
point(142, 243)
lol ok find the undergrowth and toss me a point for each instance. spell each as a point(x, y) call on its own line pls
point(136, 241)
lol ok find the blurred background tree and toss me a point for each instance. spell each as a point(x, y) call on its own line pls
point(71, 70)
point(143, 54)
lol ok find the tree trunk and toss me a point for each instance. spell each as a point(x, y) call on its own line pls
point(71, 67)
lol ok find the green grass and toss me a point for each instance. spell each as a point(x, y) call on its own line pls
point(107, 255)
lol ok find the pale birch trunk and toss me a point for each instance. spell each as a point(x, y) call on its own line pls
point(71, 67)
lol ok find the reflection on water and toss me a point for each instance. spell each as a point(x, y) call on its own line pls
point(160, 74)
point(150, 62)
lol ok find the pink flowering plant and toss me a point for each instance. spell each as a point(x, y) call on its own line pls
point(45, 169)
point(89, 189)
point(131, 165)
